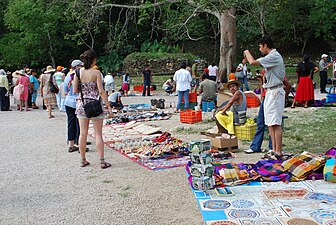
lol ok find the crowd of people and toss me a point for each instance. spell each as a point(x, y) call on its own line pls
point(71, 89)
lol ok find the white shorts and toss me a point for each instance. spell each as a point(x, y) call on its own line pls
point(274, 106)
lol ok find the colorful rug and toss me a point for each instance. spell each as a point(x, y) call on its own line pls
point(250, 206)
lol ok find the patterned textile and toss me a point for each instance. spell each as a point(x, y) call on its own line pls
point(329, 171)
point(90, 93)
point(302, 165)
point(48, 97)
point(272, 170)
point(234, 174)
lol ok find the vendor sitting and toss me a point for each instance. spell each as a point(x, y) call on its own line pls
point(115, 100)
point(168, 86)
point(237, 105)
point(208, 90)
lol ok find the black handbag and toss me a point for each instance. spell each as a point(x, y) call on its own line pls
point(93, 108)
point(53, 88)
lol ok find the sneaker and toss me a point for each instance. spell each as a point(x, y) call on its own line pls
point(250, 151)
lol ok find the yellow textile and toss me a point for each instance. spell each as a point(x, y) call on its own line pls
point(226, 121)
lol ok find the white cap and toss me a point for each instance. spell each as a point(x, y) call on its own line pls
point(77, 62)
point(324, 56)
point(197, 61)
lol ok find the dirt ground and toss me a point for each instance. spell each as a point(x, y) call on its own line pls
point(41, 183)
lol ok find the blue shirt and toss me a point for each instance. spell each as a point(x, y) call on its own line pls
point(35, 82)
point(70, 99)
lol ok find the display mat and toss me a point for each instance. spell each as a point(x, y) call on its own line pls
point(251, 204)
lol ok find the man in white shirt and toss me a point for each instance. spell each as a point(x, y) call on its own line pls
point(115, 100)
point(274, 102)
point(109, 83)
point(213, 72)
point(183, 79)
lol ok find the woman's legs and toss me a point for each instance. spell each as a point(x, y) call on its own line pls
point(26, 104)
point(49, 107)
point(20, 106)
point(71, 125)
point(98, 130)
point(84, 126)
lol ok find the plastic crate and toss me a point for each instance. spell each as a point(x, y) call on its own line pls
point(252, 99)
point(192, 97)
point(190, 116)
point(208, 106)
point(245, 132)
point(191, 105)
point(140, 88)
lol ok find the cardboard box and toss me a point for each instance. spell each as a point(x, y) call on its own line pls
point(223, 144)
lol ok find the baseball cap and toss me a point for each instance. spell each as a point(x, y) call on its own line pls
point(197, 61)
point(77, 62)
point(324, 56)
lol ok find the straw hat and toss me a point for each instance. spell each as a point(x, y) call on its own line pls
point(49, 69)
point(21, 72)
point(227, 84)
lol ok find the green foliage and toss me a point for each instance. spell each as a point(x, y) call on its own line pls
point(161, 47)
point(110, 63)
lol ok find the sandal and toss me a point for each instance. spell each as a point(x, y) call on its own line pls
point(104, 164)
point(73, 149)
point(84, 163)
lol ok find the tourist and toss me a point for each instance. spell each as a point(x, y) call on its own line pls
point(168, 86)
point(195, 76)
point(35, 87)
point(109, 83)
point(146, 79)
point(4, 91)
point(275, 96)
point(23, 80)
point(183, 79)
point(323, 66)
point(213, 72)
point(115, 100)
point(236, 104)
point(305, 88)
point(91, 87)
point(70, 106)
point(49, 97)
point(59, 77)
point(126, 84)
point(208, 90)
point(242, 68)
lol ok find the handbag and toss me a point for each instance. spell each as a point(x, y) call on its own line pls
point(92, 108)
point(18, 91)
point(53, 88)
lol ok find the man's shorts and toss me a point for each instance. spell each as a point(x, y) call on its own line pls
point(274, 106)
point(195, 82)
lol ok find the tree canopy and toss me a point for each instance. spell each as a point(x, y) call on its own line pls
point(41, 32)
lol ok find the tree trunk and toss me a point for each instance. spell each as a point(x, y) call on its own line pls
point(51, 51)
point(228, 42)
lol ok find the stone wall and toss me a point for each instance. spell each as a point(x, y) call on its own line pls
point(160, 63)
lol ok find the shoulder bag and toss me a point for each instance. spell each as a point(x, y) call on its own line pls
point(53, 88)
point(92, 108)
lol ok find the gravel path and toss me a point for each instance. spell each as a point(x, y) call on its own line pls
point(41, 183)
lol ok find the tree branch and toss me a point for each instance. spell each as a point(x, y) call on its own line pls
point(143, 6)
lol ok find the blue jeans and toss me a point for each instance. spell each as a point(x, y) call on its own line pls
point(73, 124)
point(259, 136)
point(185, 94)
point(244, 81)
point(147, 84)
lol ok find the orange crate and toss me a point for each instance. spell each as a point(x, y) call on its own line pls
point(140, 88)
point(252, 100)
point(190, 116)
point(192, 97)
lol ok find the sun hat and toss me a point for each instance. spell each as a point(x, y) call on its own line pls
point(21, 72)
point(227, 84)
point(77, 62)
point(324, 56)
point(59, 68)
point(2, 72)
point(49, 69)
